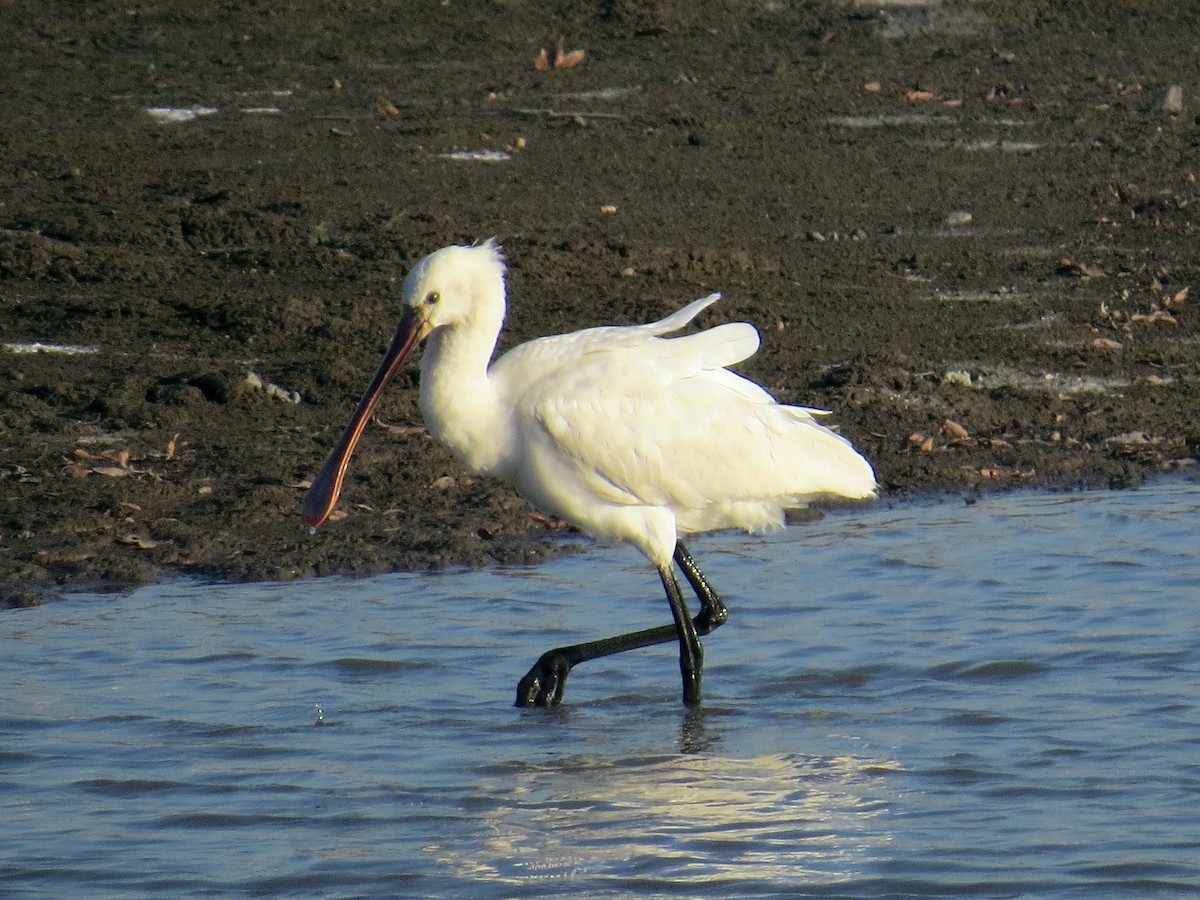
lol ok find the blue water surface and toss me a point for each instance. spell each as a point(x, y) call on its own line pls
point(992, 699)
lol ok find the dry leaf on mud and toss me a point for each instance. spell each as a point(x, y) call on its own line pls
point(1107, 344)
point(1006, 473)
point(111, 464)
point(952, 429)
point(110, 471)
point(120, 457)
point(1159, 315)
point(569, 60)
point(560, 59)
point(22, 474)
point(1080, 269)
point(920, 441)
point(134, 540)
point(549, 522)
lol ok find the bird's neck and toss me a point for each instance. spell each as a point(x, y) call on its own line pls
point(458, 400)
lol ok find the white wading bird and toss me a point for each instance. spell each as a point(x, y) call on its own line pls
point(626, 435)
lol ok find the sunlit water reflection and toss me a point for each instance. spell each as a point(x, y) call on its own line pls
point(930, 697)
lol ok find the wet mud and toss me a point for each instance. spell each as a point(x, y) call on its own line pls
point(968, 229)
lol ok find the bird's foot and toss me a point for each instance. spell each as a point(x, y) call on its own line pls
point(543, 685)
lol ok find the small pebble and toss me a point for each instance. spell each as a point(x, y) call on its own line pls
point(1168, 100)
point(963, 379)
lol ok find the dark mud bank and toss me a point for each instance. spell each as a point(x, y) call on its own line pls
point(967, 229)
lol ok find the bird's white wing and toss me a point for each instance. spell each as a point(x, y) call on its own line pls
point(642, 420)
point(542, 360)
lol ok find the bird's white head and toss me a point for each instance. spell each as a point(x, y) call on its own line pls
point(454, 286)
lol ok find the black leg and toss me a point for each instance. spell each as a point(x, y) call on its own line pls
point(543, 684)
point(691, 654)
point(712, 613)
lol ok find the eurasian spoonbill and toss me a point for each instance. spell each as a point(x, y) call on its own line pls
point(625, 434)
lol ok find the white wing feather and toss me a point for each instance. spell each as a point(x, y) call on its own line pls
point(642, 420)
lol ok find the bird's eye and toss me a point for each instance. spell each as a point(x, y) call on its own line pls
point(432, 297)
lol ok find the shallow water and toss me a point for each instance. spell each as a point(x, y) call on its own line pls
point(995, 699)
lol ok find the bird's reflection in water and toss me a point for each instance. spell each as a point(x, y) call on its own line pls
point(774, 820)
point(694, 734)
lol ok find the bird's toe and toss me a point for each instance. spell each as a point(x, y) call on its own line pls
point(543, 684)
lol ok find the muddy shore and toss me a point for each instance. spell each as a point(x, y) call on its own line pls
point(968, 229)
